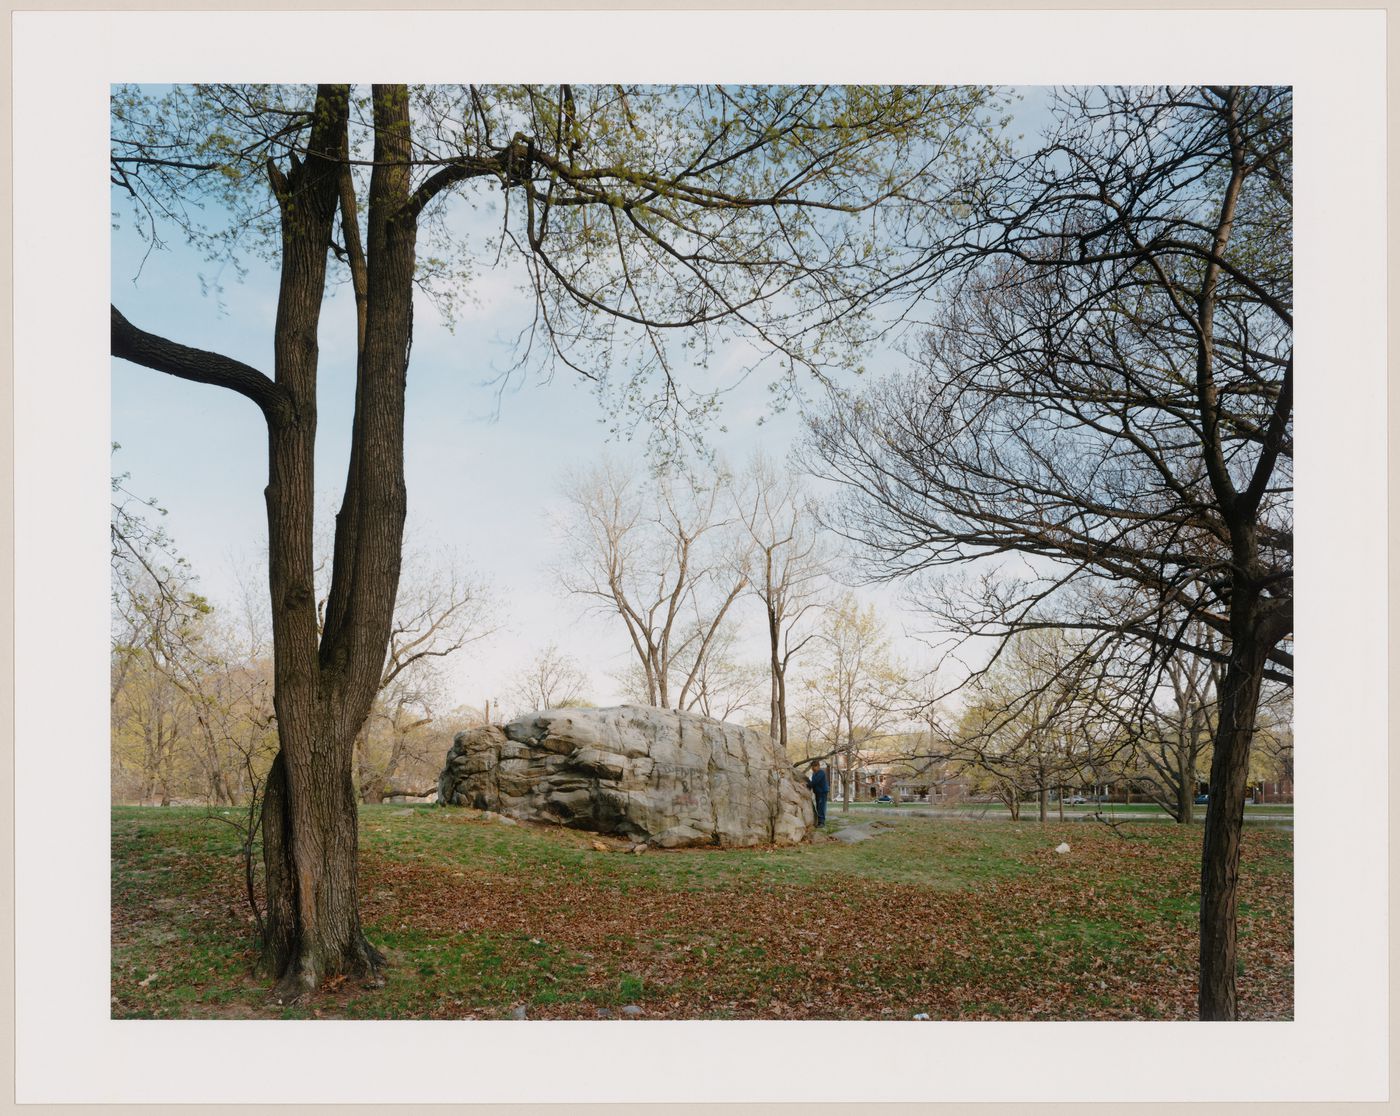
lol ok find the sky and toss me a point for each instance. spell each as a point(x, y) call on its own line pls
point(484, 464)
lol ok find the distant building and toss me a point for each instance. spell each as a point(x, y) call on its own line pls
point(933, 782)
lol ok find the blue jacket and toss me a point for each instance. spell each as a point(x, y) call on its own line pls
point(818, 783)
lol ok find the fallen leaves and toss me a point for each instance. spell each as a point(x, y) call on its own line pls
point(958, 921)
point(1023, 947)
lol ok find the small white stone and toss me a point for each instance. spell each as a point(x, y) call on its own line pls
point(1063, 847)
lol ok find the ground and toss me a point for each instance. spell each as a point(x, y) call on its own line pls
point(945, 918)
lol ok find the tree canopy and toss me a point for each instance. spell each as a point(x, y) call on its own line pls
point(652, 226)
point(1107, 383)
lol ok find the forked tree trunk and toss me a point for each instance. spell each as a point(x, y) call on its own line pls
point(325, 674)
point(326, 681)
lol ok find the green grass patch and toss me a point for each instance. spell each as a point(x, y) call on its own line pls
point(955, 918)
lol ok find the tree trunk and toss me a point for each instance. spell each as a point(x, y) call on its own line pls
point(777, 728)
point(1186, 782)
point(310, 853)
point(1220, 855)
point(325, 674)
point(326, 682)
point(782, 710)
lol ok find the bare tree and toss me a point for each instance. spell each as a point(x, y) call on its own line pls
point(789, 566)
point(636, 213)
point(1275, 739)
point(194, 697)
point(725, 686)
point(1179, 736)
point(551, 681)
point(852, 689)
point(160, 659)
point(1108, 388)
point(395, 753)
point(154, 607)
point(1030, 727)
point(661, 559)
point(441, 609)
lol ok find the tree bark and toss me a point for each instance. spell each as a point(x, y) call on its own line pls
point(1229, 773)
point(325, 686)
point(777, 729)
point(782, 710)
point(1186, 772)
point(312, 928)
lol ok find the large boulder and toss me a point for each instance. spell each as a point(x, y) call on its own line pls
point(653, 775)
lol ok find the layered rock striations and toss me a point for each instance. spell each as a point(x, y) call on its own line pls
point(660, 776)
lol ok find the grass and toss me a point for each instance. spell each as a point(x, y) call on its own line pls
point(954, 919)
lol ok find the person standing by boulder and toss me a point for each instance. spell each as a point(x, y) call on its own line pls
point(817, 781)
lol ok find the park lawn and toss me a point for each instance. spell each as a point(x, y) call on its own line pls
point(953, 919)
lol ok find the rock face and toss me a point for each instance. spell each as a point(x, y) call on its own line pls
point(656, 775)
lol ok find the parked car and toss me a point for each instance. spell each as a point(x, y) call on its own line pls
point(1202, 800)
point(1075, 800)
point(884, 798)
